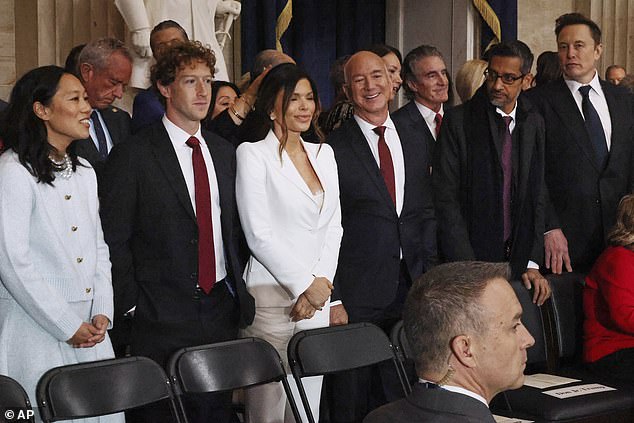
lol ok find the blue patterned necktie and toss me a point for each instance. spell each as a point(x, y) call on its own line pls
point(594, 127)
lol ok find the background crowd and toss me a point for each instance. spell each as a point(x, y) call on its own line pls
point(214, 212)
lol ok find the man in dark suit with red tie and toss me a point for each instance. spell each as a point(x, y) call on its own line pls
point(488, 173)
point(388, 222)
point(104, 68)
point(170, 220)
point(589, 148)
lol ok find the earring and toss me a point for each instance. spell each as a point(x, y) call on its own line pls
point(272, 116)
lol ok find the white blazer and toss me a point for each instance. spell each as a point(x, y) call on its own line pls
point(291, 239)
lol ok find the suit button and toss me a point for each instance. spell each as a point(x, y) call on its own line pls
point(73, 228)
point(67, 197)
point(597, 201)
point(80, 259)
point(193, 241)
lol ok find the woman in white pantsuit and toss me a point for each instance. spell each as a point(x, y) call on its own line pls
point(288, 199)
point(55, 284)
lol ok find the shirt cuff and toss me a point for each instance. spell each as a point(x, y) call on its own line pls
point(532, 265)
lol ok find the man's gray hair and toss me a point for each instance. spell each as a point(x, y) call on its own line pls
point(99, 51)
point(445, 303)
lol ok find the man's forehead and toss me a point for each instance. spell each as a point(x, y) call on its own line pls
point(499, 300)
point(194, 68)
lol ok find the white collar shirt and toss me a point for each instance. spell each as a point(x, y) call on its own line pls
point(179, 138)
point(394, 144)
point(429, 116)
point(459, 390)
point(597, 98)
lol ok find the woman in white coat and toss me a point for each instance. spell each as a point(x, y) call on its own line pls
point(288, 199)
point(55, 286)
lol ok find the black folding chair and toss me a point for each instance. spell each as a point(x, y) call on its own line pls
point(13, 397)
point(226, 366)
point(102, 387)
point(335, 349)
point(404, 354)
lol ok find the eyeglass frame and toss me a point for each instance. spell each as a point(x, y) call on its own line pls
point(510, 81)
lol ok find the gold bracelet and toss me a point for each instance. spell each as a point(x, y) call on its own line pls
point(242, 97)
point(235, 113)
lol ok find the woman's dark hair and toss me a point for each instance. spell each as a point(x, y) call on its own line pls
point(548, 68)
point(283, 78)
point(215, 87)
point(25, 133)
point(385, 49)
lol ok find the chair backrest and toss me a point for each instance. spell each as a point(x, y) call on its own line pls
point(533, 320)
point(567, 306)
point(400, 342)
point(338, 348)
point(225, 366)
point(101, 387)
point(13, 395)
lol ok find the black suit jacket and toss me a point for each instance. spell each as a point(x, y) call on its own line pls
point(432, 405)
point(468, 183)
point(150, 227)
point(583, 198)
point(373, 234)
point(118, 125)
point(409, 116)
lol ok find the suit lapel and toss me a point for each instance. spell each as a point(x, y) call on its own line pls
point(361, 148)
point(285, 166)
point(168, 161)
point(112, 123)
point(566, 108)
point(618, 128)
point(526, 146)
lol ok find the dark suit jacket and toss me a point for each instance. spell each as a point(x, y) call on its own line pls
point(3, 105)
point(373, 234)
point(468, 183)
point(118, 125)
point(146, 109)
point(432, 405)
point(582, 198)
point(150, 227)
point(409, 116)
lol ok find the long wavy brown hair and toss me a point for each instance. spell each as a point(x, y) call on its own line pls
point(622, 234)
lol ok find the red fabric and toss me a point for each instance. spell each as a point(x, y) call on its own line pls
point(385, 163)
point(206, 254)
point(608, 303)
point(438, 120)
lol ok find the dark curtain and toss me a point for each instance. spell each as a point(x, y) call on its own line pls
point(320, 32)
point(506, 11)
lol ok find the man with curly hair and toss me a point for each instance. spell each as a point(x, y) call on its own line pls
point(170, 220)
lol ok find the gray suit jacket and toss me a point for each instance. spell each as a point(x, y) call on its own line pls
point(432, 405)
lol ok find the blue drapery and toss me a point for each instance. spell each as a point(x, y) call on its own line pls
point(506, 11)
point(320, 31)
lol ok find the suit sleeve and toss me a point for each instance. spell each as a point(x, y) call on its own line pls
point(256, 217)
point(537, 252)
point(19, 274)
point(453, 234)
point(118, 206)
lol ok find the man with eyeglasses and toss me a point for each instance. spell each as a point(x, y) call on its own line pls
point(488, 173)
point(589, 162)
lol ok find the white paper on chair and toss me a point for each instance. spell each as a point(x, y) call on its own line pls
point(575, 391)
point(502, 419)
point(543, 380)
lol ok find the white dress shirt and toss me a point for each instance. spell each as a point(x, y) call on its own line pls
point(394, 144)
point(184, 153)
point(459, 390)
point(93, 134)
point(429, 116)
point(597, 98)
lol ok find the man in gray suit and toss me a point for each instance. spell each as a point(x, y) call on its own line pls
point(104, 68)
point(463, 322)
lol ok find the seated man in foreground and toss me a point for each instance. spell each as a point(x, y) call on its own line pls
point(463, 322)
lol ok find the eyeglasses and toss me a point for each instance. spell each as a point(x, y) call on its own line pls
point(508, 79)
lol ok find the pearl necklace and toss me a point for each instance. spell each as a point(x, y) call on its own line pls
point(63, 168)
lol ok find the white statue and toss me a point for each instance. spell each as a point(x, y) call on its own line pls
point(195, 16)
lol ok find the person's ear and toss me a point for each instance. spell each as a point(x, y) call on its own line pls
point(462, 348)
point(86, 71)
point(527, 82)
point(41, 111)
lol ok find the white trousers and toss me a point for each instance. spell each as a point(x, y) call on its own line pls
point(267, 403)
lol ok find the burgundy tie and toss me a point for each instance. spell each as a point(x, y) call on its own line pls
point(385, 163)
point(438, 120)
point(507, 171)
point(206, 254)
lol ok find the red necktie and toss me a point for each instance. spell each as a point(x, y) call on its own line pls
point(206, 254)
point(385, 163)
point(507, 172)
point(438, 120)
